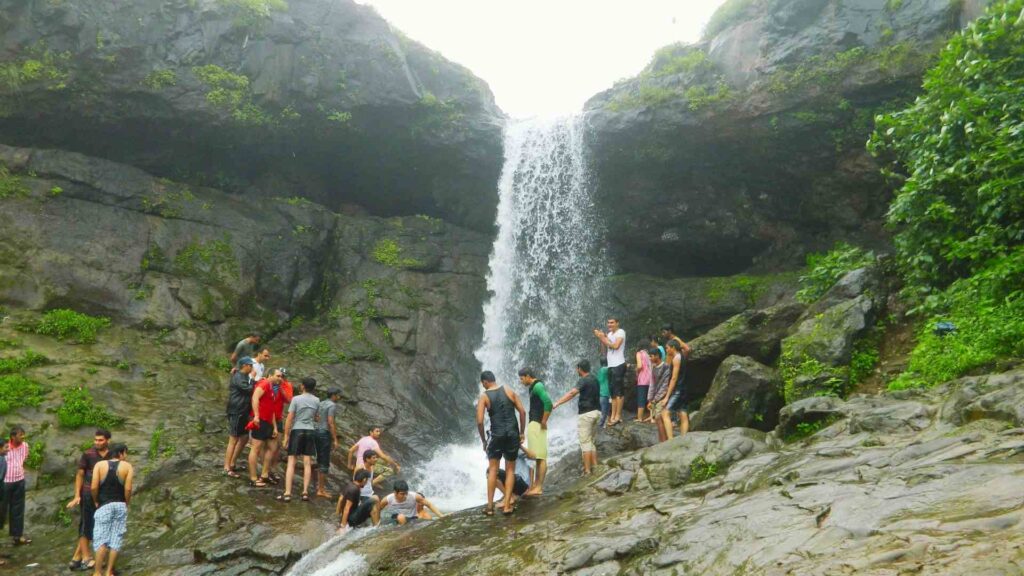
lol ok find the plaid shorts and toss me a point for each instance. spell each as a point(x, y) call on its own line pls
point(111, 522)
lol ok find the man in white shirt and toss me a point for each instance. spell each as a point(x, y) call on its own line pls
point(615, 344)
point(259, 365)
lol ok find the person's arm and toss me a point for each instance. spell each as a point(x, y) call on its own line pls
point(686, 348)
point(79, 482)
point(675, 375)
point(389, 460)
point(256, 395)
point(522, 413)
point(95, 488)
point(572, 393)
point(420, 499)
point(382, 504)
point(616, 343)
point(602, 337)
point(352, 456)
point(334, 431)
point(542, 393)
point(481, 407)
point(345, 513)
point(377, 480)
point(128, 483)
point(652, 391)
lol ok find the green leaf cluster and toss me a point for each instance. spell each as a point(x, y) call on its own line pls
point(11, 186)
point(17, 391)
point(28, 359)
point(388, 252)
point(65, 324)
point(701, 470)
point(79, 409)
point(729, 13)
point(824, 270)
point(231, 92)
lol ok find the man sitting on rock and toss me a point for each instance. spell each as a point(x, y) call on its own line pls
point(402, 505)
point(354, 510)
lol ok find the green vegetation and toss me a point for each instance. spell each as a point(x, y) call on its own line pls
point(168, 199)
point(43, 66)
point(213, 262)
point(79, 409)
point(36, 454)
point(437, 116)
point(808, 429)
point(339, 117)
point(387, 252)
point(825, 72)
point(155, 444)
point(803, 376)
point(17, 391)
point(253, 13)
point(679, 59)
point(10, 185)
point(56, 191)
point(64, 324)
point(824, 270)
point(751, 287)
point(321, 351)
point(701, 470)
point(866, 355)
point(160, 79)
point(729, 13)
point(893, 5)
point(958, 155)
point(231, 92)
point(28, 359)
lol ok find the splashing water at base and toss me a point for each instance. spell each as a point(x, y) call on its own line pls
point(331, 558)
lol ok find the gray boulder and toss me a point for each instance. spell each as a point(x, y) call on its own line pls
point(699, 456)
point(745, 394)
point(993, 396)
point(808, 411)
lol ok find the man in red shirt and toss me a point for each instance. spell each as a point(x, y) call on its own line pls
point(264, 424)
point(287, 391)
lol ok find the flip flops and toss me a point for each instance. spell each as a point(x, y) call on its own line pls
point(232, 474)
point(489, 510)
point(286, 498)
point(258, 484)
point(22, 541)
point(305, 497)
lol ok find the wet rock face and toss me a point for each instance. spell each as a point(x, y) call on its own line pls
point(747, 149)
point(888, 487)
point(321, 98)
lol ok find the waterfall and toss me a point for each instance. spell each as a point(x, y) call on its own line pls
point(546, 270)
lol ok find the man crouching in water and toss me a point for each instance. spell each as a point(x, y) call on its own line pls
point(501, 405)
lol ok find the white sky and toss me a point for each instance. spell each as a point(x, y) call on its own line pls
point(548, 56)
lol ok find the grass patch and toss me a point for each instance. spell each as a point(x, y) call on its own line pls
point(28, 359)
point(79, 409)
point(824, 270)
point(320, 350)
point(701, 470)
point(17, 391)
point(65, 324)
point(36, 455)
point(231, 92)
point(11, 186)
point(729, 13)
point(387, 252)
point(807, 429)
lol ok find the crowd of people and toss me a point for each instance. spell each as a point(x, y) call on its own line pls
point(515, 432)
point(265, 413)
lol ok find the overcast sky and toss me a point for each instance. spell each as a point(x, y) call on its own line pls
point(548, 56)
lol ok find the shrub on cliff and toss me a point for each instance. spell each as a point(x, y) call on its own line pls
point(959, 213)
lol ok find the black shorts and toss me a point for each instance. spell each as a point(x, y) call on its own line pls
point(617, 380)
point(675, 402)
point(323, 450)
point(264, 432)
point(302, 443)
point(362, 512)
point(408, 520)
point(86, 522)
point(506, 447)
point(236, 424)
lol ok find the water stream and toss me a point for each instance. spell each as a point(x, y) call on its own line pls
point(545, 276)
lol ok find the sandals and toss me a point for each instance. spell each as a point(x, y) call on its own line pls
point(73, 565)
point(286, 498)
point(489, 510)
point(232, 474)
point(22, 541)
point(305, 497)
point(258, 484)
point(89, 566)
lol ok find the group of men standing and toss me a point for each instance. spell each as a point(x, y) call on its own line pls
point(601, 396)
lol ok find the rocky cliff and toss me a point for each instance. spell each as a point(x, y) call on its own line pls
point(746, 150)
point(316, 98)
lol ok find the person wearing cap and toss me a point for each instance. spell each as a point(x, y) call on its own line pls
point(326, 438)
point(239, 400)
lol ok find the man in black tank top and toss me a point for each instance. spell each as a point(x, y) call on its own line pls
point(111, 491)
point(501, 405)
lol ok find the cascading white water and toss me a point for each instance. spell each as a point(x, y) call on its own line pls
point(545, 277)
point(546, 268)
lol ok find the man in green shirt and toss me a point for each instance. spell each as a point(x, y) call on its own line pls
point(537, 430)
point(606, 394)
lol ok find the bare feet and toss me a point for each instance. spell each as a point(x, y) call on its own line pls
point(323, 495)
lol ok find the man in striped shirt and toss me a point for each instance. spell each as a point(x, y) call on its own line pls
point(14, 486)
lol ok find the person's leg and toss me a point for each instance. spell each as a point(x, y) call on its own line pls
point(401, 519)
point(323, 461)
point(605, 409)
point(269, 449)
point(542, 473)
point(88, 511)
point(510, 482)
point(666, 423)
point(492, 481)
point(229, 452)
point(307, 473)
point(375, 513)
point(254, 452)
point(18, 509)
point(684, 423)
point(111, 560)
point(101, 556)
point(240, 443)
point(289, 475)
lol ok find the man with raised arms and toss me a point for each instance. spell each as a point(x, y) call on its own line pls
point(615, 344)
point(500, 404)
